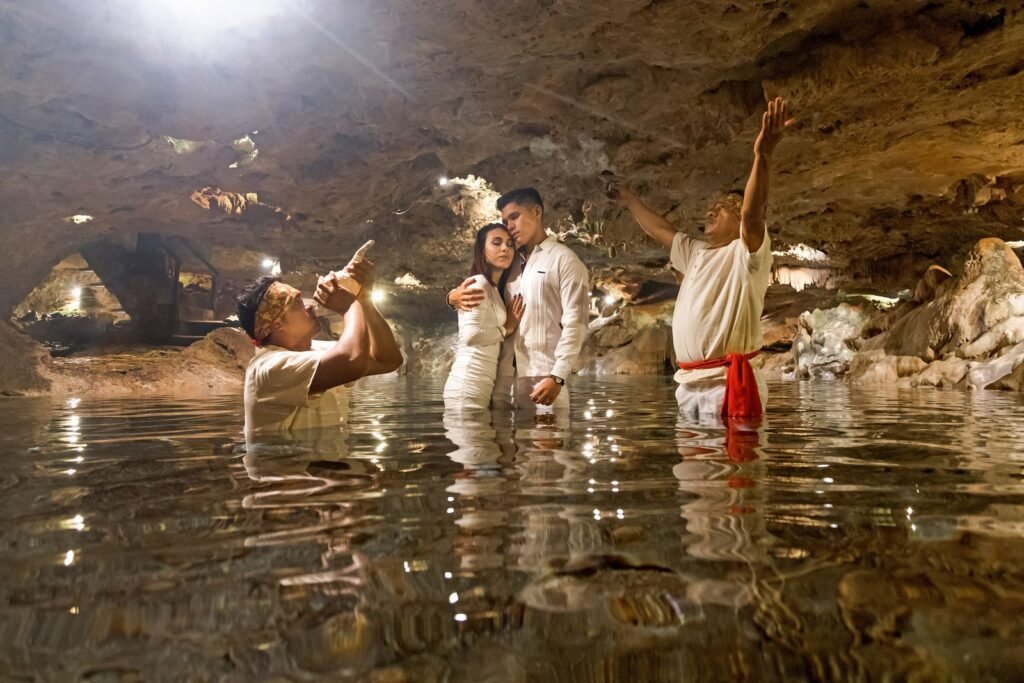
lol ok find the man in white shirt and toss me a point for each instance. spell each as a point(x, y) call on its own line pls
point(294, 383)
point(555, 286)
point(716, 327)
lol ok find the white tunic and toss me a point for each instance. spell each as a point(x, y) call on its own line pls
point(277, 397)
point(718, 310)
point(475, 367)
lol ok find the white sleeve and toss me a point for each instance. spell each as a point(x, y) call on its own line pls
point(574, 293)
point(477, 327)
point(761, 260)
point(284, 378)
point(680, 252)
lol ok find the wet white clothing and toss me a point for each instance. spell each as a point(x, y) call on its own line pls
point(718, 311)
point(277, 397)
point(524, 387)
point(556, 290)
point(475, 367)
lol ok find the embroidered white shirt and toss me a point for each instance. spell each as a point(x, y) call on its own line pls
point(556, 290)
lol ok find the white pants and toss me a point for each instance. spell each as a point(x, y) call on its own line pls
point(707, 396)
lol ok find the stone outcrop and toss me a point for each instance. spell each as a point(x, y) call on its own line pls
point(21, 364)
point(633, 340)
point(963, 330)
point(823, 344)
point(213, 365)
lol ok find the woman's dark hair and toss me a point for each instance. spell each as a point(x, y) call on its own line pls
point(480, 265)
point(249, 301)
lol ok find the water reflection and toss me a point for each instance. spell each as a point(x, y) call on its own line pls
point(870, 533)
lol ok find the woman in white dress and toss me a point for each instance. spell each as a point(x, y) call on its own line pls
point(482, 330)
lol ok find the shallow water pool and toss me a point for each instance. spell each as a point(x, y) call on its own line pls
point(855, 534)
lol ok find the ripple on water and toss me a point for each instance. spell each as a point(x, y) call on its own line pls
point(853, 533)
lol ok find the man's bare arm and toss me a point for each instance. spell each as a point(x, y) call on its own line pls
point(349, 358)
point(653, 223)
point(755, 196)
point(385, 356)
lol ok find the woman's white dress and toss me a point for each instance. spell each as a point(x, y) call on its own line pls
point(481, 332)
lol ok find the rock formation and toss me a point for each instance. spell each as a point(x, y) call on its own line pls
point(965, 330)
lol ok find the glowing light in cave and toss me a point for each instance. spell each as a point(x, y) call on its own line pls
point(609, 299)
point(78, 218)
point(442, 181)
point(273, 265)
point(408, 280)
point(378, 295)
point(804, 253)
point(190, 21)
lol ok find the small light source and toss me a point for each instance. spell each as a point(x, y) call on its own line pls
point(377, 295)
point(78, 218)
point(69, 558)
point(453, 598)
point(442, 181)
point(460, 617)
point(609, 300)
point(268, 263)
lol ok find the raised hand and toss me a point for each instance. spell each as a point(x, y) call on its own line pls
point(617, 192)
point(514, 313)
point(333, 296)
point(365, 273)
point(773, 126)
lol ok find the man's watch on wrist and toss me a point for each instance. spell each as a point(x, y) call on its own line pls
point(557, 380)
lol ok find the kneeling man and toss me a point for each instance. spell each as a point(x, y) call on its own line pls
point(294, 382)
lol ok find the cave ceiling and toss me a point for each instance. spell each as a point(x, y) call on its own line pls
point(299, 128)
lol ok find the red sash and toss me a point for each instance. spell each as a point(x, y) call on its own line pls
point(741, 396)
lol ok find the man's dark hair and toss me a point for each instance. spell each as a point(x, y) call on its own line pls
point(249, 301)
point(527, 196)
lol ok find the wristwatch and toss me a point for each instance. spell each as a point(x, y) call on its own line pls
point(557, 380)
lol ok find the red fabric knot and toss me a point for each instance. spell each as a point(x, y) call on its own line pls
point(741, 396)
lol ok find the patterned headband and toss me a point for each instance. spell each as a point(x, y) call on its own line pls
point(732, 202)
point(275, 302)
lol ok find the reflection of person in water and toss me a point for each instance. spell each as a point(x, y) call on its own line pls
point(474, 438)
point(479, 490)
point(719, 468)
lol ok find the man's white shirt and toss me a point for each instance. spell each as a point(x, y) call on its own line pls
point(556, 290)
point(720, 302)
